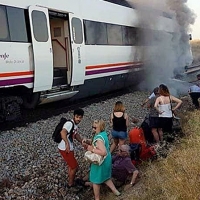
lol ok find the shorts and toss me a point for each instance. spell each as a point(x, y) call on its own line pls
point(69, 158)
point(155, 122)
point(119, 134)
point(166, 123)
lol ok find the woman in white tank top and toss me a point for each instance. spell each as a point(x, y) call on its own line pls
point(164, 107)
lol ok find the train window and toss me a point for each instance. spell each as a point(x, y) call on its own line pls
point(114, 34)
point(17, 25)
point(95, 33)
point(77, 30)
point(40, 29)
point(101, 33)
point(89, 32)
point(4, 32)
point(129, 35)
point(125, 35)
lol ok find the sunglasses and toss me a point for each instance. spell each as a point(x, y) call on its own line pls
point(94, 127)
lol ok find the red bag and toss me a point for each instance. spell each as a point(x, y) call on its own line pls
point(136, 135)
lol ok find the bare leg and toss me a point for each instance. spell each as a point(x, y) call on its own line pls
point(72, 173)
point(110, 184)
point(155, 134)
point(96, 189)
point(114, 144)
point(160, 132)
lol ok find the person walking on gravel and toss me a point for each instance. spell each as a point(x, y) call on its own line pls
point(66, 148)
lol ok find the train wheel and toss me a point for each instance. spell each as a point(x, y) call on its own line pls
point(31, 100)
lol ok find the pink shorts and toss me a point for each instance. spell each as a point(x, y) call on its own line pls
point(69, 158)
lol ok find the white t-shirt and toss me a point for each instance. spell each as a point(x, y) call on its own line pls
point(152, 95)
point(67, 126)
point(194, 88)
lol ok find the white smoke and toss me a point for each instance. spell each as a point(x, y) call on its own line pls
point(165, 54)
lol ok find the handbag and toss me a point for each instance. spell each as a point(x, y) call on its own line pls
point(175, 120)
point(93, 157)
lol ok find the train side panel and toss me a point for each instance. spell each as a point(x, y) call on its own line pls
point(16, 65)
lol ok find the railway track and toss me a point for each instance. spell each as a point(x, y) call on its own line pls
point(52, 109)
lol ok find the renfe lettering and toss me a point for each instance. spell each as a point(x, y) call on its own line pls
point(4, 56)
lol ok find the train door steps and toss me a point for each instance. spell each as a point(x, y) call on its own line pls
point(55, 96)
point(59, 76)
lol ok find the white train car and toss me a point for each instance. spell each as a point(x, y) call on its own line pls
point(67, 49)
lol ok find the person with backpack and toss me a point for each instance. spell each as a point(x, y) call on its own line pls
point(163, 105)
point(68, 133)
point(119, 122)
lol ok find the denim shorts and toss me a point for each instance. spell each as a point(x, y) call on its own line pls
point(119, 134)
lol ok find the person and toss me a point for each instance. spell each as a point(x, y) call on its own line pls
point(101, 173)
point(197, 81)
point(66, 148)
point(154, 120)
point(163, 105)
point(194, 93)
point(119, 122)
point(123, 168)
point(151, 96)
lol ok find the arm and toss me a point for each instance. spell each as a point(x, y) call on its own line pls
point(64, 137)
point(134, 177)
point(111, 119)
point(127, 119)
point(145, 101)
point(178, 101)
point(100, 148)
point(78, 138)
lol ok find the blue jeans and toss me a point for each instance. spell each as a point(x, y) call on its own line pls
point(119, 134)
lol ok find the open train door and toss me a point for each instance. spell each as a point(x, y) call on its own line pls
point(78, 61)
point(42, 48)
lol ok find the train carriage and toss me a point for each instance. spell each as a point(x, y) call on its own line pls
point(68, 49)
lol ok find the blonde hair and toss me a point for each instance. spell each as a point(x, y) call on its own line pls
point(101, 124)
point(119, 107)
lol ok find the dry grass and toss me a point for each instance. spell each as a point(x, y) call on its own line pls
point(195, 46)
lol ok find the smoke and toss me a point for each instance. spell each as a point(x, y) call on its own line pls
point(165, 53)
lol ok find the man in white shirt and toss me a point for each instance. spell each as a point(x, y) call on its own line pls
point(194, 93)
point(155, 90)
point(66, 148)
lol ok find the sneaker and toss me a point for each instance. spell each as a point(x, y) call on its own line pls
point(117, 193)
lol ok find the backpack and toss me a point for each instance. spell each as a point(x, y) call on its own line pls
point(57, 135)
point(138, 145)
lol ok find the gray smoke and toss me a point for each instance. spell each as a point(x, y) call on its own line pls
point(165, 54)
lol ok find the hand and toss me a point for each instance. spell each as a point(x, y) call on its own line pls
point(67, 148)
point(161, 112)
point(90, 147)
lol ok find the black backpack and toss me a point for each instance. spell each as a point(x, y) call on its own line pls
point(56, 134)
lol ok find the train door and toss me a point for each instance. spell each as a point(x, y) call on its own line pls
point(59, 24)
point(42, 48)
point(78, 58)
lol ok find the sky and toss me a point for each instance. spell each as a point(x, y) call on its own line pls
point(195, 6)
